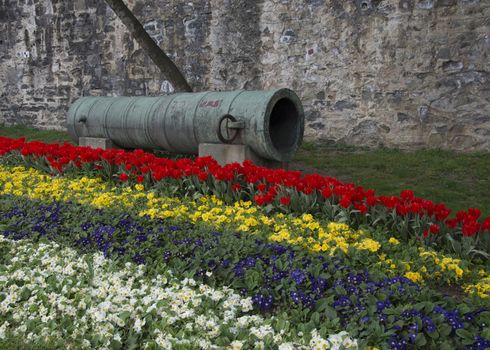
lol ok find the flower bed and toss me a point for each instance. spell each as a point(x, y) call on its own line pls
point(407, 216)
point(51, 293)
point(305, 281)
point(311, 291)
point(416, 263)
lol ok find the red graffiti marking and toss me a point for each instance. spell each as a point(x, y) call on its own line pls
point(210, 103)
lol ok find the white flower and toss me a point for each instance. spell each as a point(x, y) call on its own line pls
point(335, 339)
point(204, 344)
point(229, 315)
point(243, 321)
point(235, 345)
point(189, 281)
point(147, 299)
point(319, 344)
point(214, 332)
point(262, 331)
point(166, 344)
point(119, 321)
point(4, 326)
point(98, 315)
point(246, 304)
point(286, 346)
point(348, 343)
point(278, 338)
point(204, 288)
point(138, 324)
point(217, 295)
point(151, 308)
point(259, 345)
point(46, 319)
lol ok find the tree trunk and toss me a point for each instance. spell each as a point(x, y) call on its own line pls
point(163, 62)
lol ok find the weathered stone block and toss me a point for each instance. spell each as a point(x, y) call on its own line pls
point(95, 142)
point(227, 154)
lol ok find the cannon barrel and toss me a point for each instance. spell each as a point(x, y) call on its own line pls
point(270, 122)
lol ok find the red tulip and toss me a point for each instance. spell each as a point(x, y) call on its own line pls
point(285, 200)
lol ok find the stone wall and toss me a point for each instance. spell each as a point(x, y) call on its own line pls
point(398, 73)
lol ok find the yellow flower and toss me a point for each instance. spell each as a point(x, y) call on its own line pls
point(393, 241)
point(307, 217)
point(342, 245)
point(368, 244)
point(265, 220)
point(250, 222)
point(316, 247)
point(243, 227)
point(313, 225)
point(413, 276)
point(206, 216)
point(481, 288)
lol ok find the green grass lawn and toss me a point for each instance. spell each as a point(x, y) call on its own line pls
point(48, 136)
point(461, 180)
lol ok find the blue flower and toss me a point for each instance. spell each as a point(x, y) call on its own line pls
point(298, 276)
point(451, 317)
point(167, 255)
point(342, 301)
point(381, 305)
point(479, 344)
point(318, 285)
point(263, 302)
point(365, 319)
point(395, 344)
point(141, 238)
point(297, 296)
point(138, 259)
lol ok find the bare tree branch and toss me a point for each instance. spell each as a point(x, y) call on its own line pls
point(163, 62)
